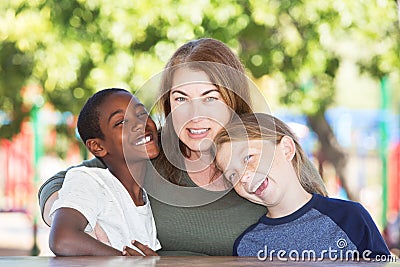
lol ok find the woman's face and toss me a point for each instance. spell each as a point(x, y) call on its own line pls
point(197, 109)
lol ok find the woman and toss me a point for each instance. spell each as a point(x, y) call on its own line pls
point(191, 220)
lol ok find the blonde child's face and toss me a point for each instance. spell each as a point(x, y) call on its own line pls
point(258, 169)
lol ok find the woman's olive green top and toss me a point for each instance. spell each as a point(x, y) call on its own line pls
point(209, 229)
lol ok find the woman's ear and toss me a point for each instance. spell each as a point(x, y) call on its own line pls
point(289, 147)
point(95, 147)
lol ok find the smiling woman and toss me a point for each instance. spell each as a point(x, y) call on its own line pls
point(197, 99)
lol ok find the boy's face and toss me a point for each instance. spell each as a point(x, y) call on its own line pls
point(257, 169)
point(128, 129)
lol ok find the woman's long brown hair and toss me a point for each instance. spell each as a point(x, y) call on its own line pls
point(225, 71)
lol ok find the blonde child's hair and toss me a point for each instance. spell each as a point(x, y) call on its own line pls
point(262, 126)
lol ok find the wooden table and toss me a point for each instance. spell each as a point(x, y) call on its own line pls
point(204, 261)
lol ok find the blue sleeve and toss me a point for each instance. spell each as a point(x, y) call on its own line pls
point(370, 239)
point(357, 223)
point(234, 253)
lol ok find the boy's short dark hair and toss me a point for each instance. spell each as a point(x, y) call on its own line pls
point(88, 120)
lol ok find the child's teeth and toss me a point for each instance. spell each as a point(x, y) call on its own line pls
point(144, 140)
point(141, 142)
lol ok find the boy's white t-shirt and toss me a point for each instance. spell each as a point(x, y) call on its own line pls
point(103, 200)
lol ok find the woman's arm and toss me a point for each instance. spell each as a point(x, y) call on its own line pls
point(67, 236)
point(48, 191)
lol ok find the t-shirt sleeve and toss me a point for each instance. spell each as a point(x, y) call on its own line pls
point(54, 183)
point(80, 191)
point(370, 237)
point(357, 223)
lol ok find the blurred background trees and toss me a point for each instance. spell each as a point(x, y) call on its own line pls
point(68, 49)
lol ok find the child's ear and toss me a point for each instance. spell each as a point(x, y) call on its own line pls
point(95, 147)
point(289, 147)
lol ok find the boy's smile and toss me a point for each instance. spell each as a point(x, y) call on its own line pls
point(129, 131)
point(144, 140)
point(139, 131)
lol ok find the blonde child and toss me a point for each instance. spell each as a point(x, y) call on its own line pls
point(264, 161)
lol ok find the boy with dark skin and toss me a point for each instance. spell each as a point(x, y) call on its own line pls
point(117, 129)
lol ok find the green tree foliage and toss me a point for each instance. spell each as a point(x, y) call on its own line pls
point(72, 48)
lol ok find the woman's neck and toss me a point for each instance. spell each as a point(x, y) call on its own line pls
point(203, 172)
point(198, 162)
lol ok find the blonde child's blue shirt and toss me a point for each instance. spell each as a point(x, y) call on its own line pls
point(323, 228)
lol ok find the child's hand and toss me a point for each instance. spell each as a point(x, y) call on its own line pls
point(145, 250)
